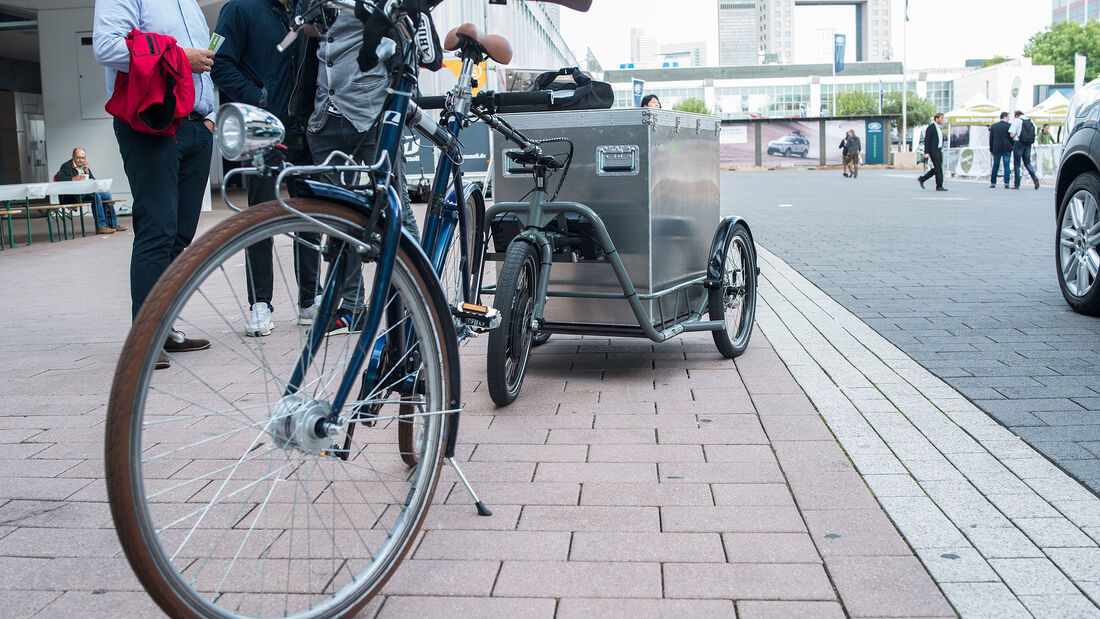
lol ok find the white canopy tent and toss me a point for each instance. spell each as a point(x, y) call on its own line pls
point(977, 111)
point(1052, 111)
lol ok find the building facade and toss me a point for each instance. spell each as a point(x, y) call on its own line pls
point(1079, 11)
point(771, 27)
point(775, 91)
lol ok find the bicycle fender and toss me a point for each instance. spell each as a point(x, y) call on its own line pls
point(468, 189)
point(718, 248)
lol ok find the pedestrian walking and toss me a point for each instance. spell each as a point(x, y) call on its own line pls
point(851, 147)
point(167, 166)
point(248, 69)
point(1000, 147)
point(1022, 131)
point(933, 151)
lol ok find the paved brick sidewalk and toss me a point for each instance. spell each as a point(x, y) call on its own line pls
point(628, 479)
point(1002, 530)
point(964, 282)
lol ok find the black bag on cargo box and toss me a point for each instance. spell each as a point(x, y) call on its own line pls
point(573, 90)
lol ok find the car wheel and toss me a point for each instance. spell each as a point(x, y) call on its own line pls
point(787, 152)
point(1078, 243)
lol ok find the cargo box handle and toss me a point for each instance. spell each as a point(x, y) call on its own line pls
point(618, 160)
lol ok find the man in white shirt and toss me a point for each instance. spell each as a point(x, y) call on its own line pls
point(933, 151)
point(1022, 132)
point(167, 173)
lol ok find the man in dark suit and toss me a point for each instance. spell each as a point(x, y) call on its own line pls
point(933, 151)
point(1000, 147)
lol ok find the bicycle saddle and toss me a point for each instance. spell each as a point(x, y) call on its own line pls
point(495, 46)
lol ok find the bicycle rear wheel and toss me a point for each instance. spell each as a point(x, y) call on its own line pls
point(227, 499)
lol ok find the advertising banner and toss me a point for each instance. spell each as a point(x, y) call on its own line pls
point(873, 142)
point(835, 130)
point(790, 143)
point(737, 146)
point(838, 52)
point(639, 89)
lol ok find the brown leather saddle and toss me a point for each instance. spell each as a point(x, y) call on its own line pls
point(495, 46)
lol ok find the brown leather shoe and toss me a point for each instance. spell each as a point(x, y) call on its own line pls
point(162, 362)
point(178, 342)
point(120, 228)
point(104, 230)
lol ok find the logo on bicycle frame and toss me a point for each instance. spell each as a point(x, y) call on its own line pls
point(391, 117)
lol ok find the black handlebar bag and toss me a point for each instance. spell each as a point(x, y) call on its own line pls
point(573, 90)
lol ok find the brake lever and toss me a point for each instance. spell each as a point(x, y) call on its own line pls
point(287, 40)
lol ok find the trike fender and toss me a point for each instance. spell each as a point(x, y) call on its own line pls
point(718, 247)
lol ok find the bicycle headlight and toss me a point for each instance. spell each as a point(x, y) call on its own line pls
point(244, 130)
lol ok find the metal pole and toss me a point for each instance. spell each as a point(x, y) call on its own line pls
point(904, 129)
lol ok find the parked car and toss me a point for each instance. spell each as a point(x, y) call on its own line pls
point(1077, 204)
point(790, 144)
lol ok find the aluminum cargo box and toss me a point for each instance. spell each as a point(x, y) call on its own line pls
point(652, 177)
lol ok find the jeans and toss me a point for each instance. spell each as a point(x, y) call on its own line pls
point(167, 175)
point(337, 133)
point(1022, 151)
point(999, 160)
point(258, 257)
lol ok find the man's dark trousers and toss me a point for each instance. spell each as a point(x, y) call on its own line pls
point(167, 177)
point(1022, 151)
point(999, 160)
point(937, 169)
point(261, 275)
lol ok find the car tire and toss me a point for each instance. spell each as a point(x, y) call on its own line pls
point(787, 152)
point(1076, 254)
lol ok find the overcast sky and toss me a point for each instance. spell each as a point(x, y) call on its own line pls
point(941, 33)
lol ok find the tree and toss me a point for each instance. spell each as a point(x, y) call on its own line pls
point(1057, 44)
point(856, 103)
point(994, 60)
point(692, 105)
point(918, 110)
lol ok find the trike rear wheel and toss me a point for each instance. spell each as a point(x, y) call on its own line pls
point(733, 301)
point(510, 343)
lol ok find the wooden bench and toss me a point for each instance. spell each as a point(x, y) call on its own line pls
point(8, 213)
point(55, 213)
point(79, 212)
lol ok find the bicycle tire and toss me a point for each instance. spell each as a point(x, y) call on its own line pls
point(734, 301)
point(510, 343)
point(153, 497)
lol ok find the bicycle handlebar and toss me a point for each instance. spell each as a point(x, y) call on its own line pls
point(498, 100)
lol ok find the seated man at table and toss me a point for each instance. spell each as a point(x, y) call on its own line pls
point(76, 169)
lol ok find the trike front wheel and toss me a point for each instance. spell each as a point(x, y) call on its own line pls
point(733, 299)
point(510, 343)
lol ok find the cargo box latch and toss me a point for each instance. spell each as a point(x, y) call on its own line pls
point(616, 160)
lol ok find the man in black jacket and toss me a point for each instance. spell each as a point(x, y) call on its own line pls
point(933, 151)
point(249, 69)
point(1000, 147)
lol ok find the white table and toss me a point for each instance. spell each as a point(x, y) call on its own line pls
point(24, 192)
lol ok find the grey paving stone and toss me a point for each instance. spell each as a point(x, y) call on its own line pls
point(984, 599)
point(1037, 576)
point(1060, 606)
point(957, 564)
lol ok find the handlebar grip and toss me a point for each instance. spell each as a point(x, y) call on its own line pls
point(523, 99)
point(431, 103)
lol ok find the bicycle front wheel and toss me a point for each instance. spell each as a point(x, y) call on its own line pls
point(228, 496)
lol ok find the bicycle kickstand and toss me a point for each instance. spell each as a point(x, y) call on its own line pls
point(482, 510)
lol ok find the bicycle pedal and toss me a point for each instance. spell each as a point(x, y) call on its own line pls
point(477, 317)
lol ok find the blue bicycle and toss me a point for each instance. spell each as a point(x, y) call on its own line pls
point(288, 475)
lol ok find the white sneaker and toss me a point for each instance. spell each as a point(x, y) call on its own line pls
point(259, 323)
point(307, 314)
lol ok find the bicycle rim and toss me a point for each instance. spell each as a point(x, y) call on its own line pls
point(224, 503)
